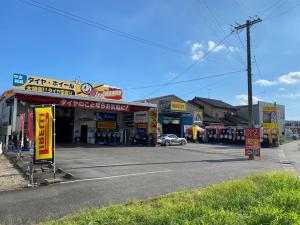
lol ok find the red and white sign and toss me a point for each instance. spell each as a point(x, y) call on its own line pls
point(30, 125)
point(93, 105)
point(252, 141)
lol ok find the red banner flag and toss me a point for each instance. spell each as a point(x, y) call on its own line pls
point(30, 125)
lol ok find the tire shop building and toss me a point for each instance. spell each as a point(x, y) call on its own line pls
point(176, 116)
point(85, 113)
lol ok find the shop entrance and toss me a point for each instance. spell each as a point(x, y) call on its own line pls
point(64, 125)
point(171, 129)
point(83, 133)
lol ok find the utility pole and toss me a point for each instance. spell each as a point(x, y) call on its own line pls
point(247, 25)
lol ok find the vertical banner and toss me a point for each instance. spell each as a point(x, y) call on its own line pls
point(43, 134)
point(252, 141)
point(30, 125)
point(152, 121)
point(22, 118)
point(194, 129)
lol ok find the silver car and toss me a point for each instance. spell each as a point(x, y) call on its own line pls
point(172, 139)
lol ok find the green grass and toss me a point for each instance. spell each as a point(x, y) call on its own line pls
point(266, 198)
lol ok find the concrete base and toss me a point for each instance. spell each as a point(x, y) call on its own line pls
point(51, 181)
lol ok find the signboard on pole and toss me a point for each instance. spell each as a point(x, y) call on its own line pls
point(252, 141)
point(43, 135)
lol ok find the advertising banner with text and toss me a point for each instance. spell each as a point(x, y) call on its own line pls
point(55, 86)
point(43, 135)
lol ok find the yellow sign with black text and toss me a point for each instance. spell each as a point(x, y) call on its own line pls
point(178, 106)
point(43, 134)
point(63, 87)
point(270, 125)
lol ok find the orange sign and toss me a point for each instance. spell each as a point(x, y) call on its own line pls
point(43, 134)
point(106, 125)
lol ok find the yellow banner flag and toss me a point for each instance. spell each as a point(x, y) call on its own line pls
point(43, 134)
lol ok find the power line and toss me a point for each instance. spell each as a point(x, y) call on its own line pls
point(269, 17)
point(190, 66)
point(210, 84)
point(270, 8)
point(218, 24)
point(186, 81)
point(99, 26)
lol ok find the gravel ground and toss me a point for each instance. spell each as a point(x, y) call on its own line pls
point(10, 178)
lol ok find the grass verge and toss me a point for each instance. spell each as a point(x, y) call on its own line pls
point(265, 198)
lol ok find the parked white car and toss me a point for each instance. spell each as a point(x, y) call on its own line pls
point(172, 139)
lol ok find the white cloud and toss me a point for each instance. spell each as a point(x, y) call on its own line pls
point(287, 79)
point(281, 89)
point(265, 83)
point(197, 51)
point(290, 95)
point(290, 78)
point(212, 46)
point(170, 75)
point(233, 49)
point(243, 99)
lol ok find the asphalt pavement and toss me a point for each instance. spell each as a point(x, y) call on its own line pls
point(108, 175)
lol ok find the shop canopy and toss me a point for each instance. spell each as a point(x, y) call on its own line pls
point(79, 102)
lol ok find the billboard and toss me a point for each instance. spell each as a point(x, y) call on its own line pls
point(43, 134)
point(63, 87)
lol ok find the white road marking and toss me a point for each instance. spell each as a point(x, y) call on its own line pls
point(116, 176)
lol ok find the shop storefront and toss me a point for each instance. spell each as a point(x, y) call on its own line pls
point(85, 113)
point(175, 116)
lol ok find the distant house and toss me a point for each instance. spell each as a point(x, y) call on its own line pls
point(219, 113)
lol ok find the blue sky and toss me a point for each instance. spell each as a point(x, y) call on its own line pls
point(38, 42)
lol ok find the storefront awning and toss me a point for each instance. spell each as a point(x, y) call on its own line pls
point(80, 102)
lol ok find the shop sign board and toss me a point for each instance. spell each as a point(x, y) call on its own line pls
point(140, 117)
point(164, 105)
point(106, 125)
point(270, 125)
point(93, 105)
point(197, 117)
point(152, 125)
point(269, 117)
point(142, 125)
point(252, 141)
point(102, 116)
point(43, 135)
point(178, 106)
point(55, 86)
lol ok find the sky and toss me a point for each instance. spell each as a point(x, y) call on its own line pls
point(137, 45)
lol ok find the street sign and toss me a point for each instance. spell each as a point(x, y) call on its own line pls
point(252, 141)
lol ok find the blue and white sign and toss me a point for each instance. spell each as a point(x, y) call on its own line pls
point(19, 79)
point(101, 116)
